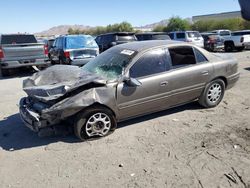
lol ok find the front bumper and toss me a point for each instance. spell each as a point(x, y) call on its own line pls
point(247, 45)
point(16, 64)
point(30, 118)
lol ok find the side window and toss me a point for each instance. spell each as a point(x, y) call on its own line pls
point(97, 40)
point(109, 39)
point(152, 62)
point(104, 39)
point(54, 43)
point(171, 35)
point(180, 35)
point(57, 42)
point(139, 37)
point(60, 45)
point(200, 58)
point(182, 56)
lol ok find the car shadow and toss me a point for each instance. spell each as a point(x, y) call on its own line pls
point(19, 73)
point(15, 136)
point(190, 106)
point(248, 68)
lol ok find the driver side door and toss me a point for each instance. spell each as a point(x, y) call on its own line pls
point(151, 70)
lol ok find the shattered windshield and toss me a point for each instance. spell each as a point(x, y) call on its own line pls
point(111, 63)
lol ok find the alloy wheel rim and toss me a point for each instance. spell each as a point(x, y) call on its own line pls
point(214, 93)
point(98, 124)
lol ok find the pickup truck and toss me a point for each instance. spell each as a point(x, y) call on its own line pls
point(237, 40)
point(21, 50)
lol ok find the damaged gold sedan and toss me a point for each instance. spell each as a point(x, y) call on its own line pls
point(126, 81)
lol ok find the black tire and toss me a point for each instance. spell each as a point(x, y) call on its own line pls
point(61, 62)
point(4, 72)
point(82, 118)
point(207, 98)
point(239, 49)
point(229, 47)
point(50, 59)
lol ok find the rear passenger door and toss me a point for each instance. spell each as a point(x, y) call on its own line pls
point(190, 73)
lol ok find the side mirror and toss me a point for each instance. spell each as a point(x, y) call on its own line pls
point(132, 82)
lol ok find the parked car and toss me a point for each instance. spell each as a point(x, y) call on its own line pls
point(213, 42)
point(193, 37)
point(152, 36)
point(21, 50)
point(109, 40)
point(49, 43)
point(222, 32)
point(73, 50)
point(237, 40)
point(126, 81)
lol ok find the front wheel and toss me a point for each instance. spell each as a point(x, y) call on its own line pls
point(94, 122)
point(212, 94)
point(4, 72)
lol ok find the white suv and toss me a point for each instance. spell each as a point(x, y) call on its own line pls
point(193, 37)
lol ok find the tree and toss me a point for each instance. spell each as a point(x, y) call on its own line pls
point(159, 28)
point(177, 24)
point(70, 31)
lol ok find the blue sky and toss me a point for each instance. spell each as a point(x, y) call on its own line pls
point(38, 15)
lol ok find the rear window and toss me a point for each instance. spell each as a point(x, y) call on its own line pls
point(193, 34)
point(171, 35)
point(80, 42)
point(161, 37)
point(18, 39)
point(224, 33)
point(126, 38)
point(182, 56)
point(180, 35)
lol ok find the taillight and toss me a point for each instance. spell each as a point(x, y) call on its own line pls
point(67, 54)
point(46, 51)
point(242, 39)
point(1, 53)
point(211, 40)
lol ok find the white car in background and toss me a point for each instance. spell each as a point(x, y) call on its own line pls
point(237, 40)
point(193, 37)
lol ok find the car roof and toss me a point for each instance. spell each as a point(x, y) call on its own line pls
point(153, 33)
point(118, 33)
point(144, 45)
point(209, 34)
point(182, 31)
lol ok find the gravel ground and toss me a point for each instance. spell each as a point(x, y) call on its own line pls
point(186, 146)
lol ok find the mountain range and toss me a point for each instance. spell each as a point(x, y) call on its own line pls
point(63, 29)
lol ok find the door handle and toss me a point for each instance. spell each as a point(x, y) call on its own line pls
point(205, 73)
point(164, 83)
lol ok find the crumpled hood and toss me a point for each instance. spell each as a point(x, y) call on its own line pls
point(56, 81)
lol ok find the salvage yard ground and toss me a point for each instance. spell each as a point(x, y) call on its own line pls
point(186, 146)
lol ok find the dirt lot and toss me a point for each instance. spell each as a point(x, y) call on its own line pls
point(183, 147)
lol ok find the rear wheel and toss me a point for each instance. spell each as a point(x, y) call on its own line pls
point(94, 122)
point(4, 72)
point(212, 94)
point(229, 47)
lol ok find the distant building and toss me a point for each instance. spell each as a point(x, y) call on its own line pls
point(219, 16)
